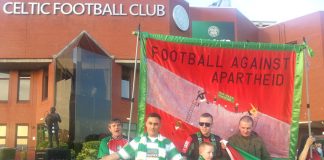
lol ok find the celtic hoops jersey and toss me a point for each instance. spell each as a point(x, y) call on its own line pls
point(145, 148)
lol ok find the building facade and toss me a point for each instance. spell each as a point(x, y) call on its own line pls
point(79, 57)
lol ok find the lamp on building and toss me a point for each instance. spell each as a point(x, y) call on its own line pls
point(93, 95)
point(93, 91)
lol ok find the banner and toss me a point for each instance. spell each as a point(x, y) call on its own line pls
point(181, 78)
point(239, 154)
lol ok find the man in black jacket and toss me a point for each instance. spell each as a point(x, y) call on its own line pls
point(52, 119)
point(191, 147)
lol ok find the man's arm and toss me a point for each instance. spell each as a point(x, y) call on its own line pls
point(48, 120)
point(186, 150)
point(304, 153)
point(113, 156)
point(223, 144)
point(172, 152)
point(103, 149)
point(58, 118)
point(264, 153)
point(218, 148)
point(55, 117)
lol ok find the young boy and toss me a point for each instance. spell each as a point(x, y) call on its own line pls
point(206, 151)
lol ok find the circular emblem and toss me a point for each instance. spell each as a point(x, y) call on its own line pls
point(213, 31)
point(180, 17)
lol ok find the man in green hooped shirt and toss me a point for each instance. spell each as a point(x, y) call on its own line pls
point(151, 145)
point(248, 140)
point(113, 143)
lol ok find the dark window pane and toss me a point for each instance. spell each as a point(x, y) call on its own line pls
point(125, 82)
point(45, 84)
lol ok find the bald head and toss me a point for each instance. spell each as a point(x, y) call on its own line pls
point(245, 126)
point(248, 119)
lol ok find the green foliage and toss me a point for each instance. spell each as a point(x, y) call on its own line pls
point(7, 153)
point(63, 145)
point(77, 147)
point(41, 144)
point(44, 144)
point(72, 154)
point(89, 150)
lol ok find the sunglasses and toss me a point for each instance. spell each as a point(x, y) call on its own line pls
point(204, 124)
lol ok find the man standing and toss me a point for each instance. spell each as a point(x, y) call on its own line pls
point(191, 147)
point(248, 140)
point(52, 119)
point(151, 145)
point(113, 143)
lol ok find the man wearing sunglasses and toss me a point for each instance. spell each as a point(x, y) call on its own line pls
point(191, 147)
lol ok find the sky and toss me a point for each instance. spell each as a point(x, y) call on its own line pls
point(269, 10)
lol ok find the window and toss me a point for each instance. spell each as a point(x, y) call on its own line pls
point(24, 86)
point(22, 137)
point(45, 84)
point(132, 132)
point(125, 82)
point(4, 85)
point(3, 133)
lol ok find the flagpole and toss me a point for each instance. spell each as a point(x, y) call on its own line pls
point(134, 80)
point(307, 95)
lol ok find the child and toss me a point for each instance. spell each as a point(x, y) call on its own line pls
point(206, 151)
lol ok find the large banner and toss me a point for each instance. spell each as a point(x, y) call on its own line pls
point(181, 78)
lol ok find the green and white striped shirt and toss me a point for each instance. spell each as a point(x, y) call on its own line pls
point(143, 148)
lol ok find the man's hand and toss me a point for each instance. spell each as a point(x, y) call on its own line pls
point(223, 143)
point(310, 141)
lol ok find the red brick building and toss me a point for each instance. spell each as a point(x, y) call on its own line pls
point(42, 43)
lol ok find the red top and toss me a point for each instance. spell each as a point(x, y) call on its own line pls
point(116, 144)
point(315, 155)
